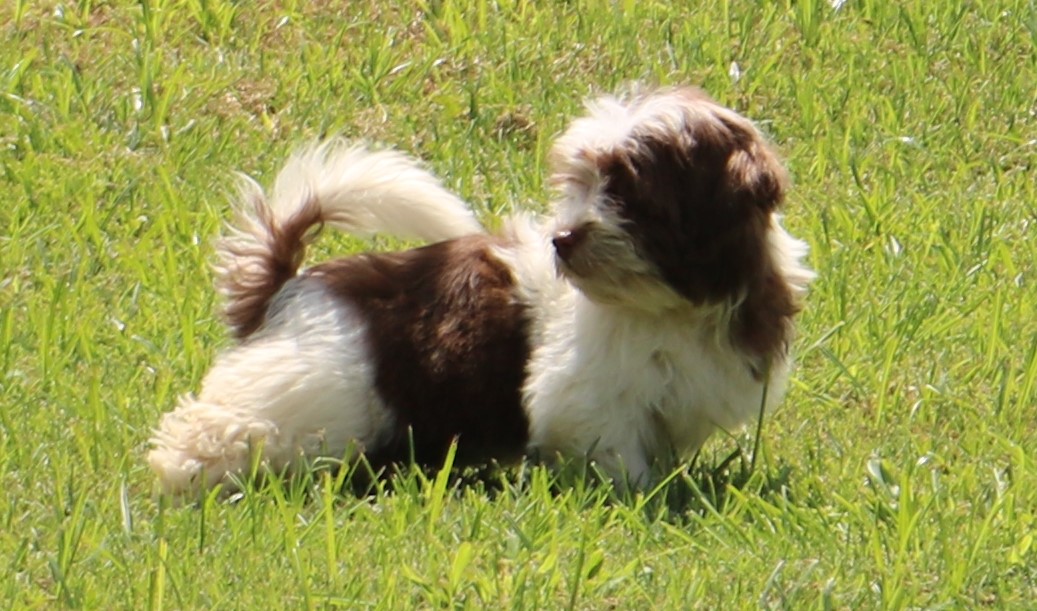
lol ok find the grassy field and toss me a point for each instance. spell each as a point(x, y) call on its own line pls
point(899, 473)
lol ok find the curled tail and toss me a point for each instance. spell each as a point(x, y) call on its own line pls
point(350, 188)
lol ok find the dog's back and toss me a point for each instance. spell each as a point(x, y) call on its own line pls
point(447, 335)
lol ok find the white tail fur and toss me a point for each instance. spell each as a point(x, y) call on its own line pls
point(365, 192)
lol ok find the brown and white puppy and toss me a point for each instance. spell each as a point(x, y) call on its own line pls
point(652, 308)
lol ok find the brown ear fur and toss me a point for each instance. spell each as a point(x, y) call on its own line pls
point(754, 174)
point(698, 203)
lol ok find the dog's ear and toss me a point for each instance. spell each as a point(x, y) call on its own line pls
point(753, 174)
point(708, 172)
point(695, 185)
point(723, 144)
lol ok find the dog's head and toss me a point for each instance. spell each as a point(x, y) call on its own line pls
point(666, 199)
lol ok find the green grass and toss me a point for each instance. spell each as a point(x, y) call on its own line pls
point(899, 472)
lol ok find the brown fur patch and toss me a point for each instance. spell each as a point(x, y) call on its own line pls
point(698, 205)
point(275, 261)
point(449, 340)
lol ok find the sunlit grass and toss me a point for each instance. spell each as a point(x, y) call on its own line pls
point(898, 473)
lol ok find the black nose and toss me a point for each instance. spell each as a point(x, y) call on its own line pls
point(565, 242)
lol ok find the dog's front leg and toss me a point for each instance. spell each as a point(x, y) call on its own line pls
point(625, 464)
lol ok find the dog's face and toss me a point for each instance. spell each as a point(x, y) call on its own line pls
point(666, 199)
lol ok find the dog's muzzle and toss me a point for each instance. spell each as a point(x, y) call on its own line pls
point(567, 241)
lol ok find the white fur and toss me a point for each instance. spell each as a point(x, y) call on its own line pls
point(611, 121)
point(364, 192)
point(300, 387)
point(789, 253)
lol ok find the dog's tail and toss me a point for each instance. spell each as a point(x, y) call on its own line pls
point(351, 188)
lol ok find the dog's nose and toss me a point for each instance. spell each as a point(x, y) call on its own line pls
point(566, 241)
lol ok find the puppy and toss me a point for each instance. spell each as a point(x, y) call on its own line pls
point(654, 307)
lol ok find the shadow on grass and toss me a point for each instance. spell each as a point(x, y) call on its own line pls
point(701, 488)
point(696, 489)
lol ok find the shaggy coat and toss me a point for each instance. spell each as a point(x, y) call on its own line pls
point(653, 307)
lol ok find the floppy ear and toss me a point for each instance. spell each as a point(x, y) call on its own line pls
point(754, 176)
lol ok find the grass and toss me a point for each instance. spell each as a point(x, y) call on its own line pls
point(899, 472)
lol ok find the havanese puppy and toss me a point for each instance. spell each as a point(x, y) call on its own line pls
point(654, 307)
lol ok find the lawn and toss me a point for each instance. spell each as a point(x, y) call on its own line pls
point(899, 472)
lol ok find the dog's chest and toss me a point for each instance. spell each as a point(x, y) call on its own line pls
point(682, 379)
point(595, 378)
point(703, 385)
